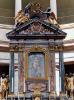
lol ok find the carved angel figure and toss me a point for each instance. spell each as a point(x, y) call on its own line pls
point(4, 87)
point(21, 17)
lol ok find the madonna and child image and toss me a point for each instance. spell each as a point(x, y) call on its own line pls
point(36, 68)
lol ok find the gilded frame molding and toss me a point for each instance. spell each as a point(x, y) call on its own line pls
point(37, 49)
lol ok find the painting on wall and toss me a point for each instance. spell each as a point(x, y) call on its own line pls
point(36, 65)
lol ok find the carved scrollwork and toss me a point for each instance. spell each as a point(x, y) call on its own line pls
point(35, 87)
point(36, 29)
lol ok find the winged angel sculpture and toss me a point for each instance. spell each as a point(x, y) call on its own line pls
point(35, 10)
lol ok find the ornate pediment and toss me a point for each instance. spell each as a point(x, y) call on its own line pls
point(33, 23)
point(35, 28)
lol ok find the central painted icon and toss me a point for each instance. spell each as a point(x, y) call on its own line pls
point(36, 65)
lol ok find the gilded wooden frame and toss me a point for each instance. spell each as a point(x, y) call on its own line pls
point(36, 49)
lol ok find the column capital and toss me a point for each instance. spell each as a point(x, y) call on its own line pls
point(20, 47)
point(13, 47)
point(51, 48)
point(51, 45)
point(60, 48)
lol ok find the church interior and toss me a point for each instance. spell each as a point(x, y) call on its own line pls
point(45, 31)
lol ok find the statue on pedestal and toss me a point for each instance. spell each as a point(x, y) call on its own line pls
point(4, 86)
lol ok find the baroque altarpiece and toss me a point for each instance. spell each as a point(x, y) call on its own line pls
point(35, 39)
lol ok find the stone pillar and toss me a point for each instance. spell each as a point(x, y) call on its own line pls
point(57, 81)
point(20, 71)
point(62, 70)
point(53, 6)
point(52, 65)
point(16, 81)
point(18, 6)
point(52, 77)
point(11, 72)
